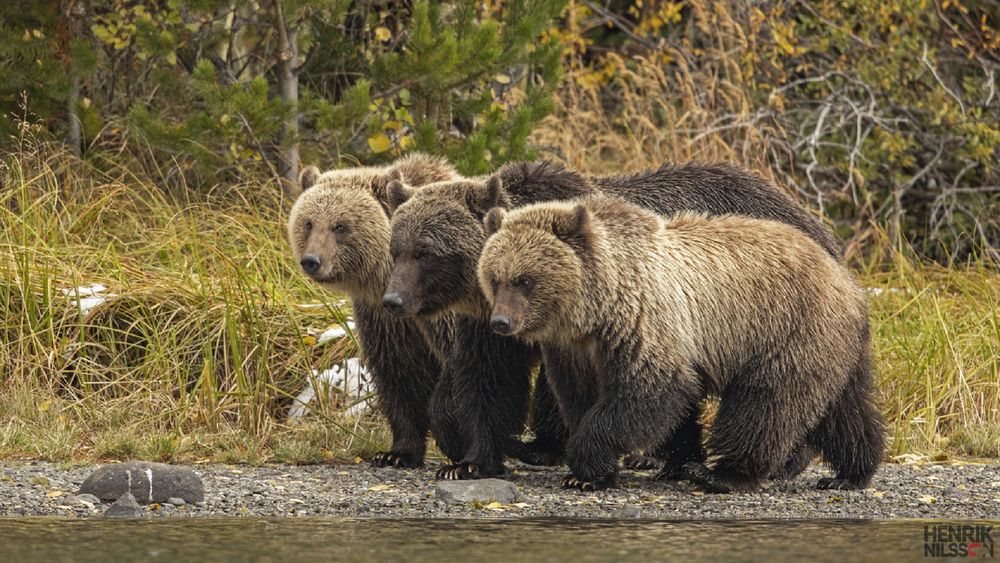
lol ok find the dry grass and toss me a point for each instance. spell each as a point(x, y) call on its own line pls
point(200, 351)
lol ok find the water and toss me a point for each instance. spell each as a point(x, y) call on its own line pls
point(281, 540)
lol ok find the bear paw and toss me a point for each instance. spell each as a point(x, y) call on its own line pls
point(392, 459)
point(458, 472)
point(573, 482)
point(673, 472)
point(832, 483)
point(638, 462)
point(705, 478)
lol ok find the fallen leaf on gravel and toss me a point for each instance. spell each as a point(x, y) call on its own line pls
point(357, 459)
point(55, 494)
point(380, 488)
point(927, 499)
point(878, 494)
point(698, 493)
point(521, 504)
point(495, 506)
point(832, 500)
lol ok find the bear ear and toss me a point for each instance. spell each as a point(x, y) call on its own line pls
point(482, 199)
point(494, 220)
point(308, 177)
point(397, 194)
point(573, 227)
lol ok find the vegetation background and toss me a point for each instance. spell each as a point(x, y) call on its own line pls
point(152, 147)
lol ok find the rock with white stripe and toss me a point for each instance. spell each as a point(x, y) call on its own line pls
point(148, 482)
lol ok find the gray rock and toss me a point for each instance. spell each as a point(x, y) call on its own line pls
point(125, 507)
point(176, 501)
point(148, 482)
point(482, 490)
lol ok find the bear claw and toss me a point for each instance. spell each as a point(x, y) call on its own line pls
point(637, 462)
point(572, 482)
point(391, 459)
point(458, 472)
point(832, 483)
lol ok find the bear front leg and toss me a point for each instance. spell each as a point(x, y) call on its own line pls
point(549, 444)
point(492, 379)
point(405, 373)
point(643, 404)
point(445, 429)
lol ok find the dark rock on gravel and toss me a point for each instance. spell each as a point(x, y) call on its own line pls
point(148, 482)
point(125, 507)
point(483, 490)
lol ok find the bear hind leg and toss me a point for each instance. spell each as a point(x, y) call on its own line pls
point(852, 434)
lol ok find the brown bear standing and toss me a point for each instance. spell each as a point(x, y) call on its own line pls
point(655, 314)
point(437, 237)
point(339, 233)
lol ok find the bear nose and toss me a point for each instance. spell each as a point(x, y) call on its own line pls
point(500, 324)
point(310, 263)
point(393, 302)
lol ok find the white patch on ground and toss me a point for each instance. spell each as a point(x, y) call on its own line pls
point(334, 333)
point(87, 297)
point(350, 379)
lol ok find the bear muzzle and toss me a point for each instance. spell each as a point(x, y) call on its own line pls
point(310, 264)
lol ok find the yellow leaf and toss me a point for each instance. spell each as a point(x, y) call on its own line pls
point(494, 506)
point(308, 340)
point(379, 142)
point(927, 499)
point(380, 488)
point(502, 78)
point(55, 494)
point(383, 34)
point(44, 405)
point(172, 58)
point(878, 494)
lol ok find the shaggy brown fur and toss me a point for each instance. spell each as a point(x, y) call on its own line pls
point(657, 313)
point(437, 237)
point(339, 232)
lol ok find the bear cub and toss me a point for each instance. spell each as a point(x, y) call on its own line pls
point(653, 314)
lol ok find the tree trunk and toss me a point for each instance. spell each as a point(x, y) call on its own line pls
point(288, 86)
point(75, 12)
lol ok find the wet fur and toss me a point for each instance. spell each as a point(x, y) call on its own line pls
point(405, 357)
point(656, 314)
point(444, 220)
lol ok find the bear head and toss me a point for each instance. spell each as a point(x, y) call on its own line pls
point(437, 236)
point(339, 227)
point(531, 269)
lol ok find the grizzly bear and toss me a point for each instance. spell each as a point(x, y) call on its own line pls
point(339, 234)
point(653, 314)
point(437, 237)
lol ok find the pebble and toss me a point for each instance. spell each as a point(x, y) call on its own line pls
point(482, 490)
point(125, 507)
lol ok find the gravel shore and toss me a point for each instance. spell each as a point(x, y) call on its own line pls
point(947, 490)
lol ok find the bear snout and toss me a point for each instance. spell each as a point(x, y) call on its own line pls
point(393, 302)
point(310, 264)
point(501, 324)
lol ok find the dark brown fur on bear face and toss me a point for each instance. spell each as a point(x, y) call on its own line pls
point(436, 237)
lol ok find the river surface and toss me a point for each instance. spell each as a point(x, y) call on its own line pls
point(317, 539)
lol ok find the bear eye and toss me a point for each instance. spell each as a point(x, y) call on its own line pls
point(522, 282)
point(338, 228)
point(421, 253)
point(309, 226)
